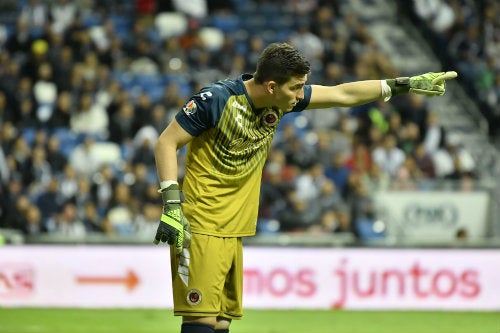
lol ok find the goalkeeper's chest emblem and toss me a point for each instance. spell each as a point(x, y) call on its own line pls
point(270, 118)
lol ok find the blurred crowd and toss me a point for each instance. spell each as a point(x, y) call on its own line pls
point(466, 35)
point(87, 86)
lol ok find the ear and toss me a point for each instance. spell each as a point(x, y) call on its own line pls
point(271, 86)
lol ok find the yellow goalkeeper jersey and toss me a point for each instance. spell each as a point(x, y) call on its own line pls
point(224, 161)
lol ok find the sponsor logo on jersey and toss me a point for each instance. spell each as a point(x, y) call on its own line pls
point(270, 118)
point(193, 297)
point(239, 106)
point(190, 108)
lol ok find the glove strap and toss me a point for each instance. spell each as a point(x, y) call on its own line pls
point(172, 195)
point(400, 85)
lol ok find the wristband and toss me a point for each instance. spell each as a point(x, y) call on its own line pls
point(166, 183)
point(386, 90)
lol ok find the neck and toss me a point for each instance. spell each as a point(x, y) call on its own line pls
point(257, 94)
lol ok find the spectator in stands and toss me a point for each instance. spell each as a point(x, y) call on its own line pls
point(67, 223)
point(324, 147)
point(121, 210)
point(329, 222)
point(19, 42)
point(33, 225)
point(329, 197)
point(4, 167)
point(36, 14)
point(408, 175)
point(299, 215)
point(140, 181)
point(255, 46)
point(160, 117)
point(146, 222)
point(14, 204)
point(89, 118)
point(309, 182)
point(83, 159)
point(83, 195)
point(273, 188)
point(45, 93)
point(39, 171)
point(91, 219)
point(68, 183)
point(308, 44)
point(453, 160)
point(50, 203)
point(62, 14)
point(63, 64)
point(362, 204)
point(389, 156)
point(359, 159)
point(143, 107)
point(61, 114)
point(103, 186)
point(20, 154)
point(409, 137)
point(339, 172)
point(55, 157)
point(375, 179)
point(144, 153)
point(121, 125)
point(299, 154)
point(423, 161)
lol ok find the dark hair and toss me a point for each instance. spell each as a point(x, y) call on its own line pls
point(279, 62)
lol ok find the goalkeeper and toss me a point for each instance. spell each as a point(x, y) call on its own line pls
point(228, 127)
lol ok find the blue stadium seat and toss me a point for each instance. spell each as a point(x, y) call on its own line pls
point(226, 23)
point(367, 231)
point(67, 139)
point(268, 226)
point(90, 20)
point(146, 81)
point(185, 88)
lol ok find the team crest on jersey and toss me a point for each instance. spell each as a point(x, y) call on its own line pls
point(193, 297)
point(190, 108)
point(270, 118)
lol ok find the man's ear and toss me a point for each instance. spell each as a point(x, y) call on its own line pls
point(271, 86)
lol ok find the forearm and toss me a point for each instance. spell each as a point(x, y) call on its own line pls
point(171, 139)
point(166, 161)
point(346, 94)
point(361, 92)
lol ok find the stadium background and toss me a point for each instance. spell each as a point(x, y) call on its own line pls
point(87, 86)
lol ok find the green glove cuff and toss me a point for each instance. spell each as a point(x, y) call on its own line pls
point(172, 195)
point(400, 85)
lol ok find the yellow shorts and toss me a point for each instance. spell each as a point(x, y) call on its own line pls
point(207, 277)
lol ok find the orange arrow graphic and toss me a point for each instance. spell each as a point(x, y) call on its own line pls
point(130, 280)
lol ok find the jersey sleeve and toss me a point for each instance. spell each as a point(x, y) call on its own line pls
point(304, 102)
point(202, 111)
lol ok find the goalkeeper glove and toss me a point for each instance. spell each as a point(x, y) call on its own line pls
point(429, 84)
point(174, 228)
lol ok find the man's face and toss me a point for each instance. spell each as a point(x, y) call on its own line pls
point(287, 95)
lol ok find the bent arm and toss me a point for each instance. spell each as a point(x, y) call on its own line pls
point(345, 94)
point(171, 139)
